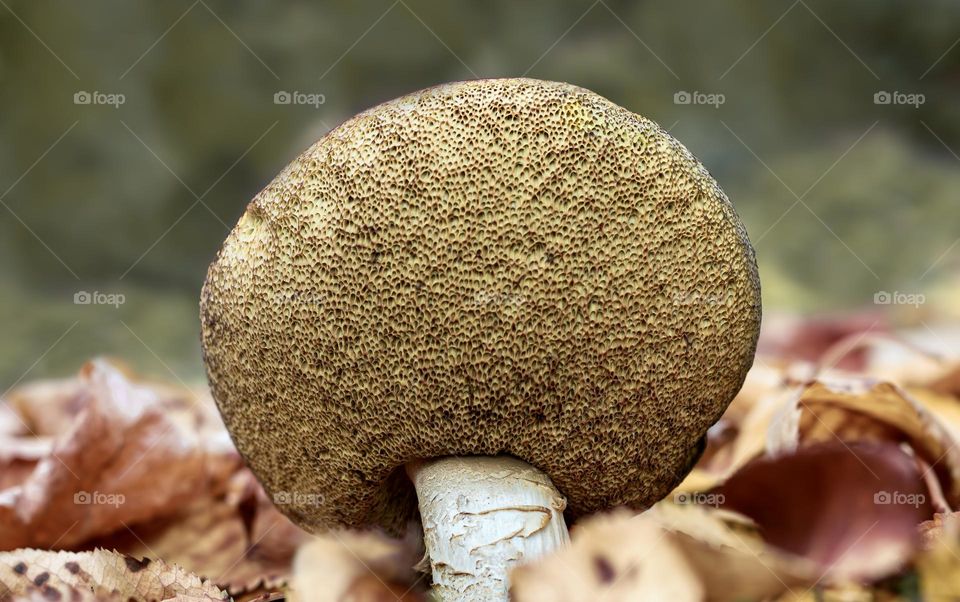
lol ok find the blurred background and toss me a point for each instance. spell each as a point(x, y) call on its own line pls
point(132, 135)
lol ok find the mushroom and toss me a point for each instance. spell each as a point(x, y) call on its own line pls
point(528, 299)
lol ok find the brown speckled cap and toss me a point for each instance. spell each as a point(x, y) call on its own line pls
point(486, 267)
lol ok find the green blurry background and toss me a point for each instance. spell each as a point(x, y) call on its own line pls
point(843, 197)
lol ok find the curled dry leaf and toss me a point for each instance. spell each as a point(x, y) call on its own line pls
point(98, 575)
point(851, 508)
point(267, 527)
point(106, 460)
point(945, 407)
point(848, 409)
point(939, 563)
point(860, 410)
point(238, 540)
point(361, 567)
point(729, 556)
point(670, 552)
point(48, 408)
point(618, 557)
point(772, 461)
point(128, 453)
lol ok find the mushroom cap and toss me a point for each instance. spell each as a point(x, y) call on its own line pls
point(485, 267)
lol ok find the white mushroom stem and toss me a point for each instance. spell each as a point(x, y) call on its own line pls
point(482, 516)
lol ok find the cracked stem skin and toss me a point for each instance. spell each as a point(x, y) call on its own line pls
point(481, 516)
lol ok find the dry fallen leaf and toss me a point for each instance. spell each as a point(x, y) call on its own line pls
point(939, 563)
point(105, 460)
point(926, 358)
point(848, 409)
point(239, 540)
point(98, 575)
point(615, 557)
point(360, 567)
point(126, 457)
point(860, 410)
point(670, 552)
point(728, 554)
point(730, 558)
point(851, 508)
point(945, 407)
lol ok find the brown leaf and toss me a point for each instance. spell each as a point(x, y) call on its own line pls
point(238, 540)
point(859, 410)
point(130, 454)
point(843, 409)
point(614, 557)
point(851, 508)
point(729, 556)
point(98, 575)
point(945, 407)
point(361, 567)
point(939, 563)
point(48, 408)
point(670, 552)
point(917, 359)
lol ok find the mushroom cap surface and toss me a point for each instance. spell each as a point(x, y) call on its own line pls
point(485, 267)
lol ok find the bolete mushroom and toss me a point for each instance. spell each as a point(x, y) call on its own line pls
point(525, 297)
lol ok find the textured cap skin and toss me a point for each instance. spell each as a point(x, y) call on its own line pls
point(486, 267)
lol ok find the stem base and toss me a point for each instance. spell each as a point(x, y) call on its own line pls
point(482, 516)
